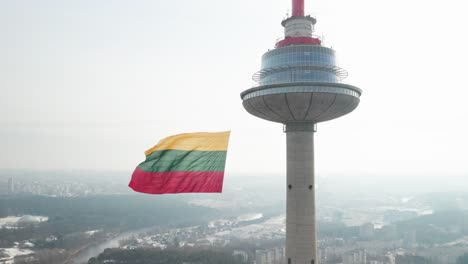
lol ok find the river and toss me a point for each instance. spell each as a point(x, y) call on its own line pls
point(88, 253)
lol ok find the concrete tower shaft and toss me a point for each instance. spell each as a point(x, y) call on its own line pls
point(299, 85)
point(301, 241)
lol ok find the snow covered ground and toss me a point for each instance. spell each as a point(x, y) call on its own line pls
point(11, 221)
point(249, 217)
point(12, 253)
point(92, 232)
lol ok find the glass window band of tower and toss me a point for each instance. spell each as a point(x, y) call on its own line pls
point(355, 92)
point(300, 73)
point(299, 63)
point(298, 58)
point(298, 76)
point(298, 55)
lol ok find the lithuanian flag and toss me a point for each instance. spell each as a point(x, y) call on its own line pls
point(184, 163)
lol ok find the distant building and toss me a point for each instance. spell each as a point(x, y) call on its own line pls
point(261, 257)
point(270, 256)
point(366, 231)
point(390, 258)
point(280, 255)
point(242, 254)
point(409, 239)
point(11, 186)
point(355, 257)
point(323, 254)
point(388, 232)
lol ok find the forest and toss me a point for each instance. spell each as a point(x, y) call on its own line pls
point(157, 256)
point(70, 216)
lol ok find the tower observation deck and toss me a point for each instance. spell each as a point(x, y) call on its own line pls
point(299, 85)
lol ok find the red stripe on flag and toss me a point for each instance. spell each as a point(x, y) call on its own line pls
point(177, 182)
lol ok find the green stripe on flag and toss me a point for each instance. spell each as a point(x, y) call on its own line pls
point(180, 160)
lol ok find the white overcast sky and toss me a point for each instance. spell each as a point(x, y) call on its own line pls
point(92, 84)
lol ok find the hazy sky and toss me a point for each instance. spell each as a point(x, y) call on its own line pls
point(92, 84)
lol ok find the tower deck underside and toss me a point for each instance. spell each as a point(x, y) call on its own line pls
point(290, 103)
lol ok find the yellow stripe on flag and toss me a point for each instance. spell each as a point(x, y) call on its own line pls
point(204, 141)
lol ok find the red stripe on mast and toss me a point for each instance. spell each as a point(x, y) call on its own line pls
point(298, 7)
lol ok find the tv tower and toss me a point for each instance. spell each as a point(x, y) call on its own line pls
point(299, 85)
